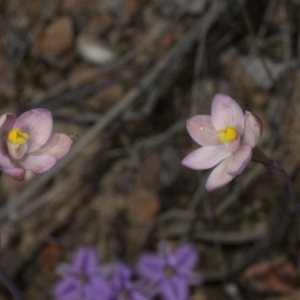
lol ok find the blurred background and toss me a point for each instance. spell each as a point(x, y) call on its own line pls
point(121, 77)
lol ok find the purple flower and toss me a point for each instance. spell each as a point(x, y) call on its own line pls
point(227, 136)
point(123, 287)
point(82, 280)
point(170, 272)
point(27, 146)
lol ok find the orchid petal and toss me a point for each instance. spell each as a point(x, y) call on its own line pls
point(218, 177)
point(58, 145)
point(202, 131)
point(186, 258)
point(10, 168)
point(16, 151)
point(16, 173)
point(6, 123)
point(85, 260)
point(253, 129)
point(37, 123)
point(233, 145)
point(226, 112)
point(239, 160)
point(6, 162)
point(206, 157)
point(37, 163)
point(174, 288)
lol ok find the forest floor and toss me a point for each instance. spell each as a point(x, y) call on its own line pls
point(122, 78)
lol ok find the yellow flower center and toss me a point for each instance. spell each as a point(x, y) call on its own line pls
point(227, 134)
point(17, 137)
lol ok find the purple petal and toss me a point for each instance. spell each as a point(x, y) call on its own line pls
point(174, 288)
point(239, 160)
point(121, 274)
point(186, 258)
point(253, 129)
point(226, 112)
point(37, 163)
point(136, 295)
point(37, 123)
point(97, 288)
point(202, 131)
point(151, 266)
point(16, 151)
point(91, 294)
point(147, 287)
point(58, 145)
point(167, 256)
point(206, 157)
point(164, 249)
point(218, 177)
point(67, 289)
point(85, 260)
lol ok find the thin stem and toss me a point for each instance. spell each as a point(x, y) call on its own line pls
point(293, 195)
point(10, 285)
point(260, 157)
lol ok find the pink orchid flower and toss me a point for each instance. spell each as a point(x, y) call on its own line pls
point(27, 146)
point(227, 138)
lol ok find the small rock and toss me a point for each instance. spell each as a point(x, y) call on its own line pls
point(57, 37)
point(92, 49)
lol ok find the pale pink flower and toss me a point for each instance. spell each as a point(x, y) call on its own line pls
point(227, 138)
point(27, 146)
